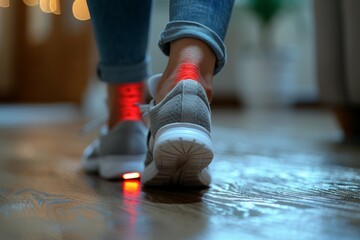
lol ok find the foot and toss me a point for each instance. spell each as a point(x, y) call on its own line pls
point(179, 144)
point(117, 152)
point(121, 149)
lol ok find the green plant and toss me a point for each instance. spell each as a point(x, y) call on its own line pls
point(267, 10)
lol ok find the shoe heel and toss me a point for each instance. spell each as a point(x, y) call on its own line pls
point(182, 151)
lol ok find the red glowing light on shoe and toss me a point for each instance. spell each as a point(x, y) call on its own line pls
point(128, 96)
point(187, 71)
point(131, 175)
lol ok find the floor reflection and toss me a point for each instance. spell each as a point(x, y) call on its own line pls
point(267, 182)
point(130, 196)
point(174, 196)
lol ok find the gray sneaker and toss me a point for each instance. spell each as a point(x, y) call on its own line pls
point(179, 144)
point(120, 151)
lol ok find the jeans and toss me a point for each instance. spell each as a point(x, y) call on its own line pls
point(122, 27)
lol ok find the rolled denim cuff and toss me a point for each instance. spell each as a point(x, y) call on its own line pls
point(129, 73)
point(183, 29)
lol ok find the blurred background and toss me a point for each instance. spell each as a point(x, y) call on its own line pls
point(280, 159)
point(48, 56)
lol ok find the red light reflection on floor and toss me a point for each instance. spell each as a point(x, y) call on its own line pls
point(131, 188)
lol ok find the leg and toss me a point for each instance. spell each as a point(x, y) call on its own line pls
point(180, 148)
point(121, 33)
point(195, 33)
point(188, 50)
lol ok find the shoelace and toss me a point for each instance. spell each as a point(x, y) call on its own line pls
point(94, 124)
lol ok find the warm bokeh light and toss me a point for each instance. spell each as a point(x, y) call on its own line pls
point(80, 10)
point(31, 3)
point(131, 175)
point(45, 6)
point(55, 6)
point(4, 3)
point(131, 187)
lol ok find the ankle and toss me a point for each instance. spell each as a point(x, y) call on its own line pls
point(189, 59)
point(167, 83)
point(122, 102)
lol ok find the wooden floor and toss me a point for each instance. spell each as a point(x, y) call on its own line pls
point(276, 175)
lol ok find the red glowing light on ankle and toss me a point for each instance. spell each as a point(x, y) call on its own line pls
point(131, 175)
point(128, 95)
point(188, 71)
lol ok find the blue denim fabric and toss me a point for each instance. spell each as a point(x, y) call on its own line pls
point(206, 20)
point(121, 31)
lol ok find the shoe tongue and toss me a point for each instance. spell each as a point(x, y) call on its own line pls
point(152, 83)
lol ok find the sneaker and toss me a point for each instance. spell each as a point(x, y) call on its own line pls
point(117, 152)
point(179, 144)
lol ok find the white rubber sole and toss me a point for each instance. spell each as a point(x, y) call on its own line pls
point(113, 167)
point(181, 154)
